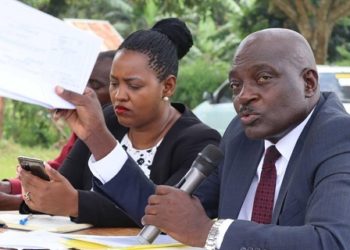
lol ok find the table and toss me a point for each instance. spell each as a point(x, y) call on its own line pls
point(112, 231)
point(115, 231)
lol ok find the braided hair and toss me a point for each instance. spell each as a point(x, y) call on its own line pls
point(164, 44)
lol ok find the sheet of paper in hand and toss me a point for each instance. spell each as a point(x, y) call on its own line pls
point(39, 52)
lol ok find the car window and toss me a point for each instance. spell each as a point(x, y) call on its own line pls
point(329, 82)
point(225, 94)
point(338, 83)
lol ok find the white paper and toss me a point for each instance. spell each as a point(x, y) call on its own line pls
point(32, 240)
point(39, 52)
point(45, 240)
point(118, 241)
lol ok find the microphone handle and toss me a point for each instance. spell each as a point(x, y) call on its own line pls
point(191, 180)
point(188, 184)
point(148, 234)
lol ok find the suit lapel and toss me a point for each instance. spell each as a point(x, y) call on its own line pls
point(240, 176)
point(294, 162)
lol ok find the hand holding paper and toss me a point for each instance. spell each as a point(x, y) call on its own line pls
point(87, 121)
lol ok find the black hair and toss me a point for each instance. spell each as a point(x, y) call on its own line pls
point(165, 44)
point(109, 54)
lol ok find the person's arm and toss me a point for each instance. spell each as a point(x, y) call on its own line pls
point(5, 186)
point(10, 201)
point(130, 196)
point(58, 161)
point(103, 212)
point(10, 194)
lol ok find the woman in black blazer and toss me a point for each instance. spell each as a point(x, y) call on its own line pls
point(143, 77)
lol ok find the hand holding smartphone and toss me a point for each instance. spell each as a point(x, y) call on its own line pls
point(35, 166)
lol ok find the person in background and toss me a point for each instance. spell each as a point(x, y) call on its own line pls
point(10, 189)
point(284, 182)
point(161, 138)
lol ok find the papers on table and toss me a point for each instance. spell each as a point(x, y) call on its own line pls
point(129, 242)
point(68, 241)
point(38, 52)
point(33, 240)
point(59, 224)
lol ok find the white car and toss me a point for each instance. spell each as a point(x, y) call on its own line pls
point(217, 109)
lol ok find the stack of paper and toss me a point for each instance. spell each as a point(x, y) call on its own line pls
point(39, 52)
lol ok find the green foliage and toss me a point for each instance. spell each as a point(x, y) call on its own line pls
point(30, 125)
point(198, 76)
point(38, 4)
point(10, 150)
point(339, 44)
point(257, 15)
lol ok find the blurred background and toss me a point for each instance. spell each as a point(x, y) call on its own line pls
point(217, 27)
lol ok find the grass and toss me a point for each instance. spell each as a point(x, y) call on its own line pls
point(10, 150)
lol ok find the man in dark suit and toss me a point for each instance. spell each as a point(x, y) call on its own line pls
point(297, 199)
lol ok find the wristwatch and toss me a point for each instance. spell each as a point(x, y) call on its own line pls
point(210, 243)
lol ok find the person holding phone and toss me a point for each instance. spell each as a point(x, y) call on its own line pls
point(10, 189)
point(161, 137)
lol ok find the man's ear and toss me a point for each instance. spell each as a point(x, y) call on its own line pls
point(169, 86)
point(310, 77)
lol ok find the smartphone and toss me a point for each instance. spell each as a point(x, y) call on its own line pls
point(35, 166)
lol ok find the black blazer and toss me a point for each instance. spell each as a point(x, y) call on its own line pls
point(173, 158)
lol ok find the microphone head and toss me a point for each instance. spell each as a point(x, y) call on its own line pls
point(208, 159)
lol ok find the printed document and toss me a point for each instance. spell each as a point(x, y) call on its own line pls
point(39, 52)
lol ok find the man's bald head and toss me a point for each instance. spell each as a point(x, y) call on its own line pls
point(284, 44)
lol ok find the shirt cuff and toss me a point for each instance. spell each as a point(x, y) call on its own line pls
point(110, 165)
point(222, 231)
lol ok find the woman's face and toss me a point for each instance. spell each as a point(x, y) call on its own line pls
point(135, 90)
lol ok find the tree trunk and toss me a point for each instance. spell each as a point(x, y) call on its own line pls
point(315, 20)
point(318, 39)
point(2, 114)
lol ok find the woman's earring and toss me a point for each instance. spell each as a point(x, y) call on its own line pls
point(165, 98)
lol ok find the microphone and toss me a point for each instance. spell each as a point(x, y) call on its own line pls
point(206, 161)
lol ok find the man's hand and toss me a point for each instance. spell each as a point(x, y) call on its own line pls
point(178, 214)
point(87, 121)
point(57, 196)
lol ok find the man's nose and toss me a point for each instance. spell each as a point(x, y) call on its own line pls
point(247, 94)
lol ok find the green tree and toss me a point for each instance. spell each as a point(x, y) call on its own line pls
point(315, 20)
point(30, 125)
